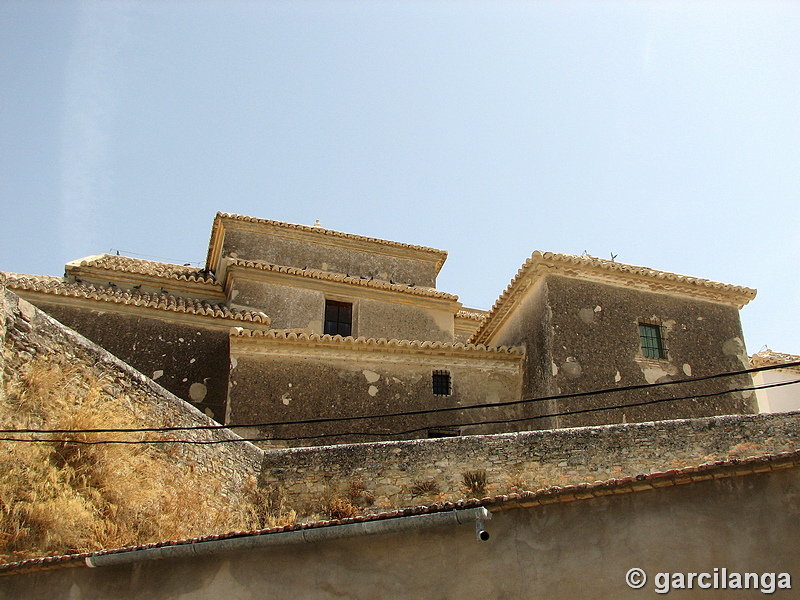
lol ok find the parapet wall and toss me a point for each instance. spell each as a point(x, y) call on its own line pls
point(409, 473)
point(27, 334)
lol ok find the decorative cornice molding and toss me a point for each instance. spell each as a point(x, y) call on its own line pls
point(364, 282)
point(322, 235)
point(472, 315)
point(56, 287)
point(599, 270)
point(239, 335)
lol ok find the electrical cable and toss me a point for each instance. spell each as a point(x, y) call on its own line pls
point(382, 434)
point(628, 388)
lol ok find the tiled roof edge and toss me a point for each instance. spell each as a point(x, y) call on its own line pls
point(767, 358)
point(329, 233)
point(315, 338)
point(471, 315)
point(145, 267)
point(552, 495)
point(358, 281)
point(163, 302)
point(742, 295)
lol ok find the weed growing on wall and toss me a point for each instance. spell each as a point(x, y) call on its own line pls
point(475, 482)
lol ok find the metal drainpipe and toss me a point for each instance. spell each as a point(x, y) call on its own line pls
point(316, 534)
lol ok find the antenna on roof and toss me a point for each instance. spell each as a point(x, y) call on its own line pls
point(613, 256)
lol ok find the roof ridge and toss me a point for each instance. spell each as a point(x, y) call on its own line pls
point(769, 357)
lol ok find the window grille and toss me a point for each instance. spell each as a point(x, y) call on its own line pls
point(338, 318)
point(442, 385)
point(652, 340)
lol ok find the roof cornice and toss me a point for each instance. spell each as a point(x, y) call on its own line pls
point(319, 235)
point(608, 272)
point(290, 339)
point(129, 272)
point(268, 269)
point(170, 307)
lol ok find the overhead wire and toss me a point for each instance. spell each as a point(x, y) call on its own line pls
point(319, 420)
point(366, 433)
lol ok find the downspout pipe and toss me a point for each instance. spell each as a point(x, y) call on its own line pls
point(315, 534)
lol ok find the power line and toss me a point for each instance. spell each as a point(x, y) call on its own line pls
point(319, 420)
point(365, 433)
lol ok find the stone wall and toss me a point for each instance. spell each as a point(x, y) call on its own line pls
point(578, 549)
point(583, 335)
point(395, 472)
point(285, 377)
point(314, 250)
point(188, 359)
point(28, 334)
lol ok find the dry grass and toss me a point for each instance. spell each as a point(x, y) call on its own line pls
point(61, 497)
point(475, 482)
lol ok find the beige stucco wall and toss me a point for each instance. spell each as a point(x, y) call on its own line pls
point(304, 250)
point(300, 304)
point(580, 549)
point(284, 380)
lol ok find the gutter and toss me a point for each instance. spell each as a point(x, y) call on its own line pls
point(311, 535)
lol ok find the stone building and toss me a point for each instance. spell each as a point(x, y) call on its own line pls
point(289, 324)
point(780, 384)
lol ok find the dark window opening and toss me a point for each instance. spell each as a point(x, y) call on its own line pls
point(441, 383)
point(652, 341)
point(440, 432)
point(338, 318)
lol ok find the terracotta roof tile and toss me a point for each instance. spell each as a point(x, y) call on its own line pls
point(356, 281)
point(768, 358)
point(165, 302)
point(472, 314)
point(150, 268)
point(442, 254)
point(541, 263)
point(370, 343)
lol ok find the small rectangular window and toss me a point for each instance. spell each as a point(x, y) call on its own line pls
point(652, 341)
point(441, 383)
point(440, 432)
point(338, 318)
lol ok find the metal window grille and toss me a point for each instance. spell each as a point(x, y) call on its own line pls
point(652, 341)
point(442, 385)
point(338, 318)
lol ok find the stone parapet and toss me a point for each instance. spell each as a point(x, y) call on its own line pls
point(409, 473)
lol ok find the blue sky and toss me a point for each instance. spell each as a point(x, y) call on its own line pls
point(666, 133)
